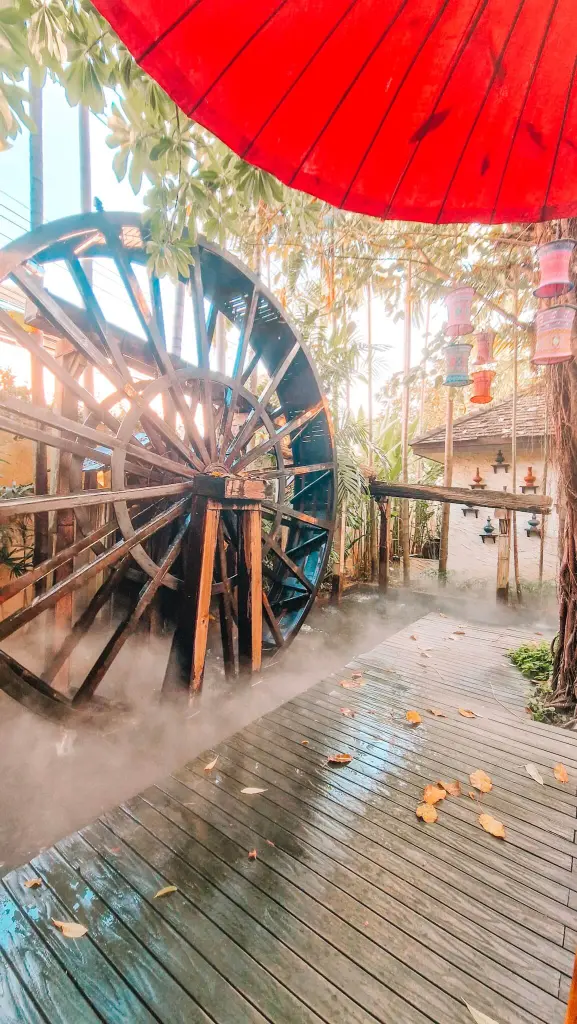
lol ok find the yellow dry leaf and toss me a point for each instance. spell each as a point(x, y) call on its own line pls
point(481, 781)
point(452, 788)
point(252, 790)
point(339, 758)
point(413, 717)
point(70, 929)
point(412, 637)
point(252, 854)
point(33, 883)
point(491, 825)
point(351, 684)
point(436, 712)
point(459, 632)
point(347, 712)
point(560, 773)
point(427, 813)
point(304, 743)
point(164, 892)
point(466, 713)
point(478, 1017)
point(472, 794)
point(433, 794)
point(208, 767)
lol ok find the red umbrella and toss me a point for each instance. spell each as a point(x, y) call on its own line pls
point(426, 110)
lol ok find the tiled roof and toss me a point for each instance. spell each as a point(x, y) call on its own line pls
point(493, 423)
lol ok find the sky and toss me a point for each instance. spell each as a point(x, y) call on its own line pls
point(62, 198)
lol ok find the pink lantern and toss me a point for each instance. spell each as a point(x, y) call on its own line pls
point(458, 303)
point(553, 327)
point(554, 260)
point(457, 364)
point(484, 353)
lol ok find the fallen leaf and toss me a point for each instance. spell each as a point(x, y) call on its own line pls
point(450, 638)
point(480, 780)
point(459, 632)
point(425, 655)
point(452, 788)
point(351, 684)
point(490, 824)
point(412, 637)
point(472, 794)
point(534, 772)
point(70, 929)
point(252, 790)
point(433, 794)
point(466, 713)
point(480, 1018)
point(348, 712)
point(304, 743)
point(339, 758)
point(413, 717)
point(357, 674)
point(269, 842)
point(560, 772)
point(437, 713)
point(427, 812)
point(33, 883)
point(208, 767)
point(164, 892)
point(252, 854)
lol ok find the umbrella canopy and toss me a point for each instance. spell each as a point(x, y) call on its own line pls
point(424, 110)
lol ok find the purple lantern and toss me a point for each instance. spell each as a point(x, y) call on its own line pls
point(458, 303)
point(554, 260)
point(553, 327)
point(484, 341)
point(457, 364)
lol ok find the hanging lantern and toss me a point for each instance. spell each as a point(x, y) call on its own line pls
point(554, 260)
point(458, 303)
point(482, 381)
point(483, 347)
point(553, 328)
point(457, 365)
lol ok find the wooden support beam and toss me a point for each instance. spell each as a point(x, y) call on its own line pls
point(463, 496)
point(503, 558)
point(250, 590)
point(384, 544)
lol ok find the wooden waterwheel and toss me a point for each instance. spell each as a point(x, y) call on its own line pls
point(183, 455)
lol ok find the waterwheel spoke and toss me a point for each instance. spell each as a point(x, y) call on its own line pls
point(295, 425)
point(271, 474)
point(126, 628)
point(251, 425)
point(82, 575)
point(287, 512)
point(203, 352)
point(97, 318)
point(310, 486)
point(288, 562)
point(53, 502)
point(272, 621)
point(243, 342)
point(156, 340)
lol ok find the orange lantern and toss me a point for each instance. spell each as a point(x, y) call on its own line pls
point(553, 328)
point(482, 381)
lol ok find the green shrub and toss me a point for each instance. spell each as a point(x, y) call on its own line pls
point(534, 661)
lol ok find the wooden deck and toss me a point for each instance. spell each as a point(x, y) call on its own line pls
point(353, 911)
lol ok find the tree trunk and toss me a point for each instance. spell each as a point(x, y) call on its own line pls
point(404, 520)
point(563, 413)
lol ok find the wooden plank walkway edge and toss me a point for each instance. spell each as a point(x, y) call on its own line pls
point(306, 891)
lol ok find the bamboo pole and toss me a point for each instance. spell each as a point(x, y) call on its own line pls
point(406, 540)
point(543, 518)
point(447, 481)
point(514, 437)
point(373, 542)
point(423, 385)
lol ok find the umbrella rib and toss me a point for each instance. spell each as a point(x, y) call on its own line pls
point(561, 130)
point(160, 39)
point(302, 72)
point(351, 85)
point(239, 53)
point(496, 70)
point(528, 90)
point(460, 50)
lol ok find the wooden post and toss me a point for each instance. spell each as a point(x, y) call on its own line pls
point(447, 481)
point(543, 518)
point(421, 426)
point(384, 544)
point(337, 581)
point(406, 539)
point(250, 590)
point(373, 543)
point(514, 435)
point(41, 520)
point(503, 558)
point(220, 331)
point(185, 669)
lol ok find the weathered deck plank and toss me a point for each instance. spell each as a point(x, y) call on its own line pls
point(353, 910)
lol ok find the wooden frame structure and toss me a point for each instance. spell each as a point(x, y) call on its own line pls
point(177, 474)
